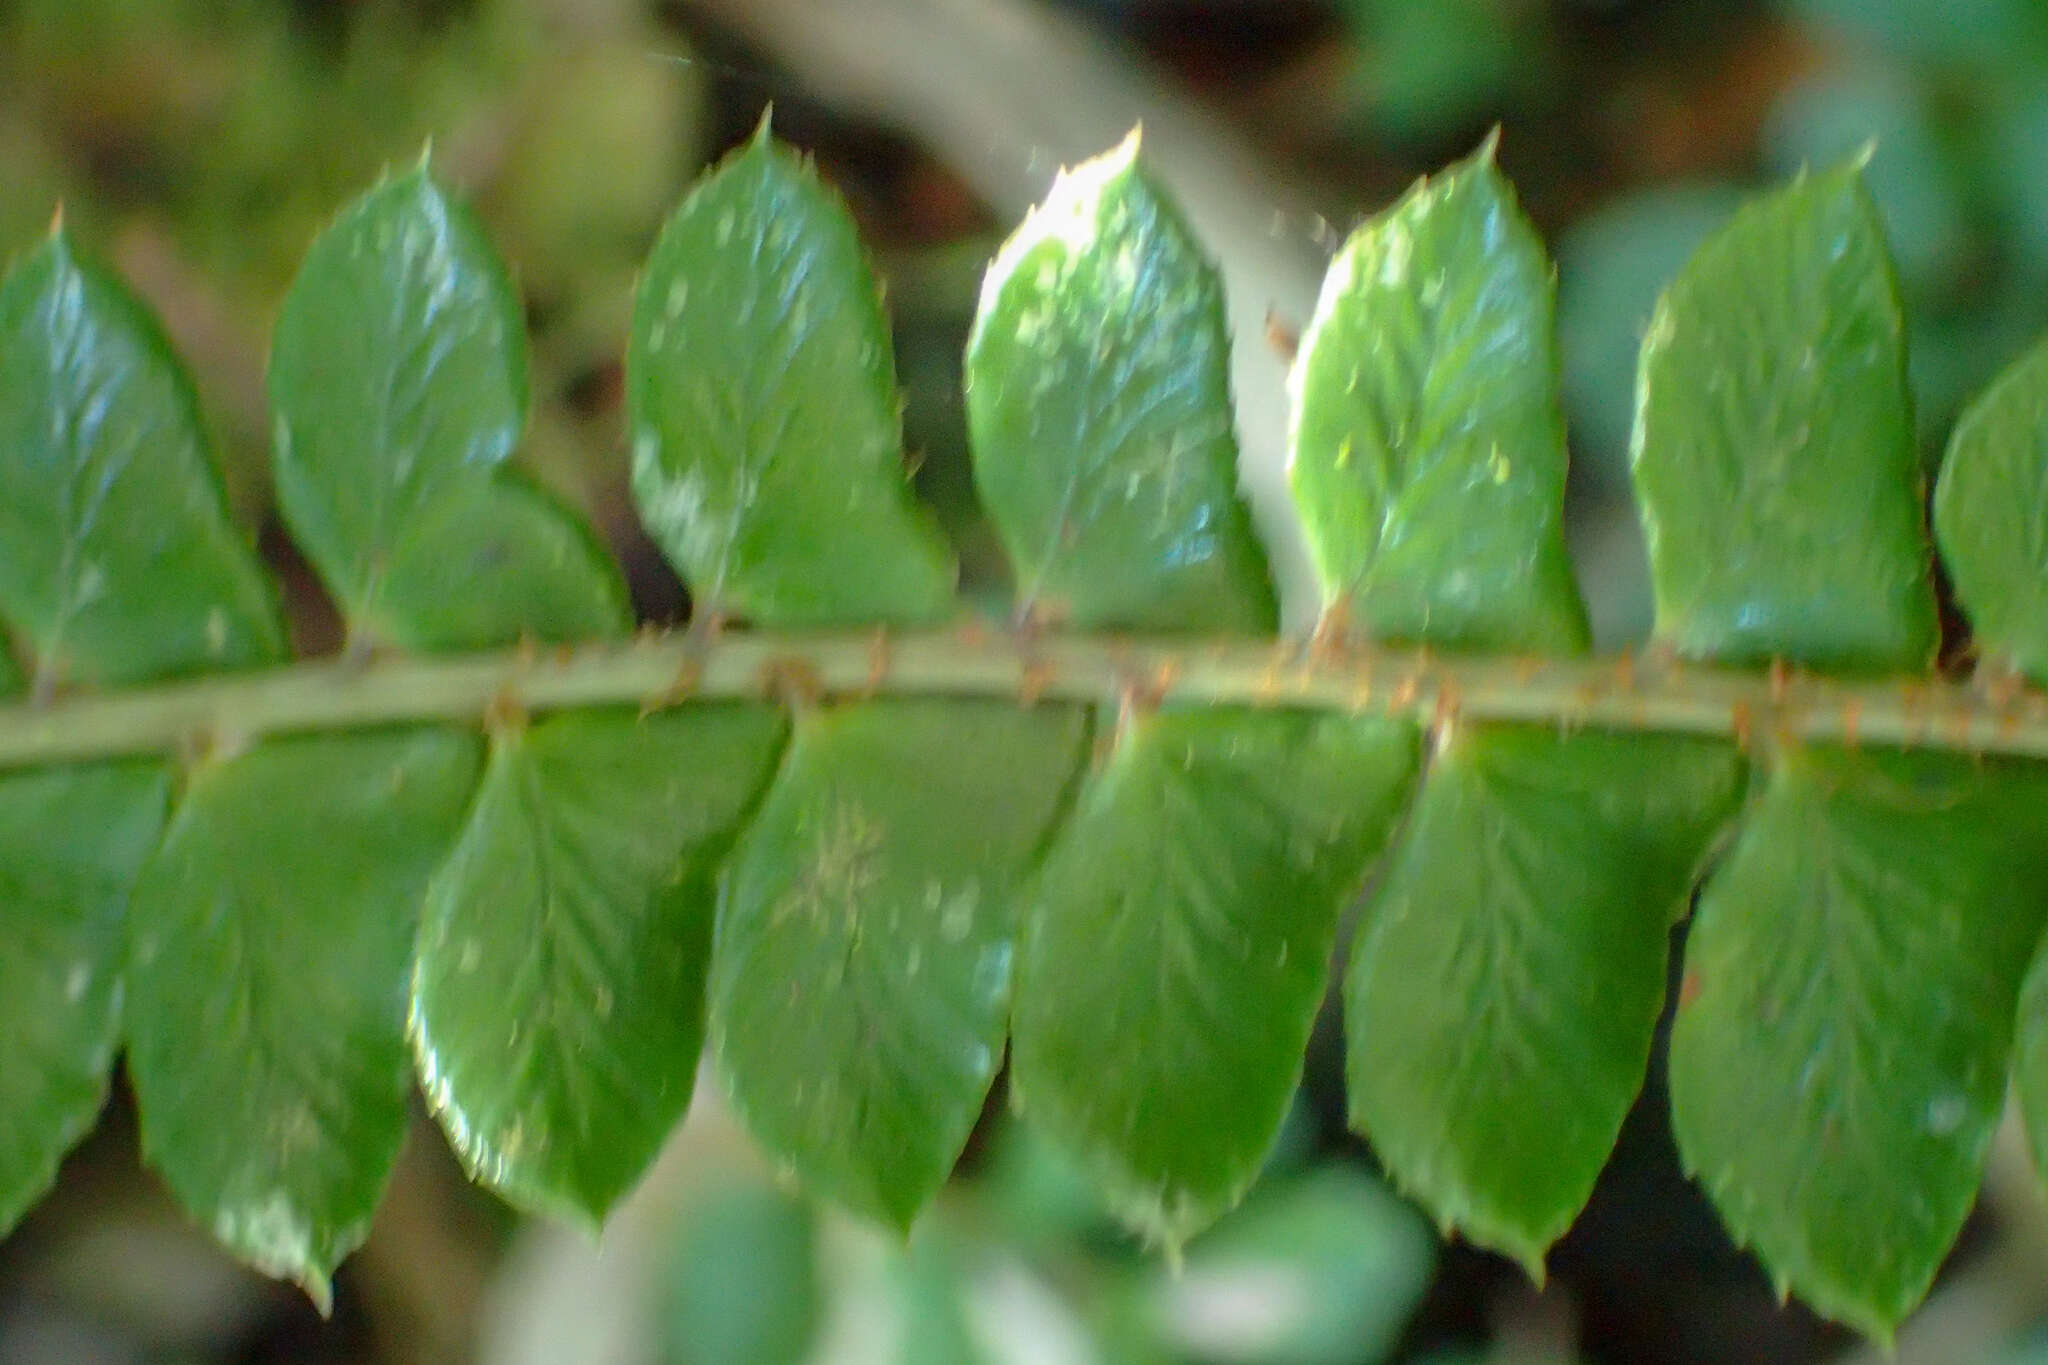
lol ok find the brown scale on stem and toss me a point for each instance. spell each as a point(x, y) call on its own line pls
point(1034, 674)
point(1405, 692)
point(1148, 693)
point(505, 713)
point(1625, 670)
point(1330, 641)
point(1282, 337)
point(678, 689)
point(207, 746)
point(1445, 714)
point(2001, 686)
point(792, 680)
point(1361, 693)
point(1033, 679)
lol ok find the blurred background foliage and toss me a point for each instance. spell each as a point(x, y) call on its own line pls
point(199, 145)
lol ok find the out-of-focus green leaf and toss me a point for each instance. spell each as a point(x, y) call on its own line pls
point(1037, 1191)
point(766, 425)
point(1774, 457)
point(743, 1283)
point(270, 937)
point(1840, 1051)
point(861, 986)
point(1911, 175)
point(1991, 516)
point(71, 842)
point(1506, 981)
point(1429, 456)
point(2031, 1350)
point(117, 559)
point(1997, 33)
point(1323, 1269)
point(1436, 70)
point(398, 391)
point(557, 1007)
point(931, 1304)
point(1178, 941)
point(1098, 402)
point(2017, 140)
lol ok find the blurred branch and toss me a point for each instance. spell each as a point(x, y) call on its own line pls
point(1005, 91)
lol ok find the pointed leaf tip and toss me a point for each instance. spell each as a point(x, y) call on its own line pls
point(879, 877)
point(1099, 412)
point(764, 414)
point(148, 576)
point(1427, 447)
point(399, 390)
point(1871, 896)
point(607, 965)
point(276, 920)
point(1176, 946)
point(1773, 377)
point(1523, 919)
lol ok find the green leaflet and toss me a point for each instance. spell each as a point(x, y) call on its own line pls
point(1507, 978)
point(766, 425)
point(118, 563)
point(1512, 962)
point(71, 841)
point(1428, 444)
point(1355, 1258)
point(398, 390)
point(271, 935)
point(743, 1281)
point(117, 559)
point(2030, 1059)
point(1774, 454)
point(1098, 402)
point(1991, 515)
point(1178, 940)
point(1839, 1057)
point(558, 994)
point(861, 986)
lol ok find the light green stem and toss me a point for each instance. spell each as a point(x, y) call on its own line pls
point(224, 712)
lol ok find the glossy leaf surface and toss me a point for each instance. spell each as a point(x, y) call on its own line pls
point(558, 993)
point(1991, 516)
point(1507, 977)
point(1839, 1057)
point(1428, 446)
point(1178, 941)
point(270, 939)
point(1098, 403)
point(1774, 453)
point(117, 558)
point(766, 425)
point(861, 988)
point(71, 841)
point(398, 390)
